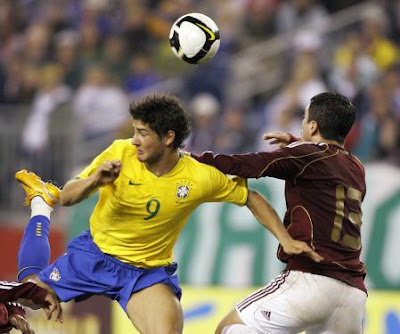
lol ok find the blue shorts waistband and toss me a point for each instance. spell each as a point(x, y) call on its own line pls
point(87, 235)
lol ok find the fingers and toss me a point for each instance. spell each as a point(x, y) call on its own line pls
point(270, 135)
point(53, 308)
point(278, 137)
point(26, 329)
point(108, 171)
point(20, 323)
point(315, 256)
point(300, 247)
point(312, 254)
point(113, 166)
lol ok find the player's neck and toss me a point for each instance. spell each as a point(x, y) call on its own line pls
point(165, 164)
point(320, 139)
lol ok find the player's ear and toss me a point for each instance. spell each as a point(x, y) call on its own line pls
point(313, 126)
point(169, 137)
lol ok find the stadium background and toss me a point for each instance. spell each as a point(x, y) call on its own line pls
point(68, 69)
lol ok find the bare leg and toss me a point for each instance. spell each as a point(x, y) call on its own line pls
point(156, 310)
point(233, 324)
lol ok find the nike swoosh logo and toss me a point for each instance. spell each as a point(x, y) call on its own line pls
point(212, 36)
point(131, 183)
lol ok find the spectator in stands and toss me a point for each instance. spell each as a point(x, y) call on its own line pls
point(378, 134)
point(67, 56)
point(380, 48)
point(102, 109)
point(21, 80)
point(259, 20)
point(135, 29)
point(284, 111)
point(235, 133)
point(89, 44)
point(35, 136)
point(392, 9)
point(141, 73)
point(294, 14)
point(204, 110)
point(353, 68)
point(115, 57)
point(51, 94)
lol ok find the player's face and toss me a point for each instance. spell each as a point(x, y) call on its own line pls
point(150, 147)
point(305, 131)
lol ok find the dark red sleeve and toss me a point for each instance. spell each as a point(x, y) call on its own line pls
point(10, 291)
point(284, 163)
point(3, 315)
point(252, 165)
point(15, 308)
point(6, 310)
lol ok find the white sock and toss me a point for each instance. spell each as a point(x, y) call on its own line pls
point(238, 329)
point(40, 208)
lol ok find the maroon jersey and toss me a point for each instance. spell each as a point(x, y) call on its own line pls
point(324, 188)
point(9, 293)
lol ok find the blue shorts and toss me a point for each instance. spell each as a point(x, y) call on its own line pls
point(85, 271)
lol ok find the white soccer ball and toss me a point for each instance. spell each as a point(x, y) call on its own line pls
point(194, 38)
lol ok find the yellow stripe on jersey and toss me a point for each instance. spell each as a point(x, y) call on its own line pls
point(138, 218)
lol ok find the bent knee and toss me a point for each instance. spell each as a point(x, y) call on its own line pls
point(231, 318)
point(161, 329)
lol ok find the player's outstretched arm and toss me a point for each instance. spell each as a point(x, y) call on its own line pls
point(76, 190)
point(268, 217)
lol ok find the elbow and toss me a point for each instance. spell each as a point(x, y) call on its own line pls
point(65, 200)
point(253, 194)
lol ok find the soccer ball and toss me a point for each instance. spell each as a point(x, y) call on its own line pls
point(194, 38)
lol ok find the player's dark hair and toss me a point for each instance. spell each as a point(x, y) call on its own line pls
point(334, 113)
point(163, 112)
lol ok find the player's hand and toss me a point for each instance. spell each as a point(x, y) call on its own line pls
point(280, 138)
point(20, 323)
point(53, 308)
point(296, 247)
point(107, 172)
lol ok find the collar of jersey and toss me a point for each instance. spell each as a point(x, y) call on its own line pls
point(173, 171)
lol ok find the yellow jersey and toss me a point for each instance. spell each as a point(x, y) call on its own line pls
point(139, 216)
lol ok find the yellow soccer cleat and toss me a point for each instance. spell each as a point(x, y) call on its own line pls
point(34, 186)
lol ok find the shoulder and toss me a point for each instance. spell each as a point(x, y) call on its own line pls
point(122, 143)
point(304, 147)
point(200, 170)
point(193, 163)
point(357, 162)
point(123, 146)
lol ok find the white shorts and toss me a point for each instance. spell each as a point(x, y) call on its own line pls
point(296, 301)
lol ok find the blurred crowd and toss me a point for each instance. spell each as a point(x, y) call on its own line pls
point(96, 55)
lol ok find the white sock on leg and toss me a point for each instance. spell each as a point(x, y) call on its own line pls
point(40, 208)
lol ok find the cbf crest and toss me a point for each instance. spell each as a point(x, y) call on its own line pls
point(183, 190)
point(55, 275)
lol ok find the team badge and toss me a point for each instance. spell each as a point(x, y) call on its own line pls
point(55, 275)
point(183, 188)
point(182, 192)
